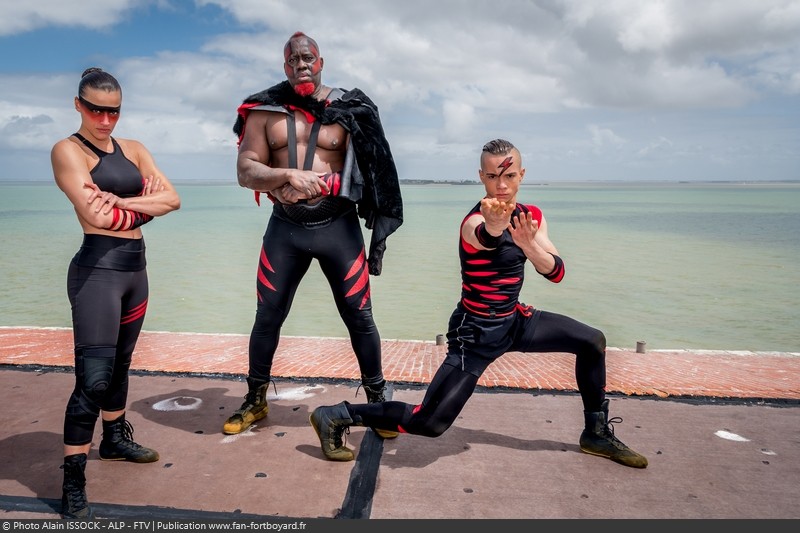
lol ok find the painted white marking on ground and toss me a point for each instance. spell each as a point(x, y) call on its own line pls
point(227, 439)
point(297, 393)
point(178, 403)
point(730, 436)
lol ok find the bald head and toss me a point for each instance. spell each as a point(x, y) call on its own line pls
point(299, 37)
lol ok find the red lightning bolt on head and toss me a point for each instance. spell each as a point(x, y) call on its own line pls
point(505, 165)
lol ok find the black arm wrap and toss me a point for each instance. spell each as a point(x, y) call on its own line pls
point(139, 219)
point(557, 274)
point(486, 239)
point(126, 219)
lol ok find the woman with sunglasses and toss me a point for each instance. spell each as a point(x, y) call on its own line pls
point(115, 187)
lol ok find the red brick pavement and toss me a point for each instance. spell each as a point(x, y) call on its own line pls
point(661, 373)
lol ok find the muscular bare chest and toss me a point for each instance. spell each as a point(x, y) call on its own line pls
point(331, 136)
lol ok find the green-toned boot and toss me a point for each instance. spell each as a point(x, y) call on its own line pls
point(598, 439)
point(376, 393)
point(254, 408)
point(330, 423)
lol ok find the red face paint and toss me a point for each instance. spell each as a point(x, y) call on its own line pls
point(316, 66)
point(302, 65)
point(505, 165)
point(99, 112)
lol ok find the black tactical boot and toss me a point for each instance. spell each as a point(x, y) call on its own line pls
point(376, 393)
point(598, 439)
point(74, 505)
point(118, 445)
point(330, 423)
point(254, 408)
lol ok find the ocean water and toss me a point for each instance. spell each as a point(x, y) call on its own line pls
point(710, 266)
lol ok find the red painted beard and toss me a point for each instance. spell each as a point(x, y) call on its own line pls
point(304, 89)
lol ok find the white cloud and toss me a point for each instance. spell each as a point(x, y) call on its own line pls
point(660, 145)
point(447, 78)
point(17, 17)
point(604, 137)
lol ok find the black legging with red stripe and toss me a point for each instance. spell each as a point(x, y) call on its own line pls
point(108, 289)
point(473, 343)
point(488, 322)
point(286, 254)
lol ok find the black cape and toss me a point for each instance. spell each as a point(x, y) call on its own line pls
point(381, 204)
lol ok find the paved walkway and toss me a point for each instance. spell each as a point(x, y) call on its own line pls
point(659, 373)
point(721, 431)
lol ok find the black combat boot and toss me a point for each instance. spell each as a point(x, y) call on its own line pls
point(118, 445)
point(376, 393)
point(330, 423)
point(598, 439)
point(74, 505)
point(254, 408)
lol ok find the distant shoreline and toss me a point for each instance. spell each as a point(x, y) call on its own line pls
point(214, 182)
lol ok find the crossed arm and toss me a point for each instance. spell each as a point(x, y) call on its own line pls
point(99, 210)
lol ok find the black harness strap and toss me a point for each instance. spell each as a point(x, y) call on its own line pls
point(291, 133)
point(312, 146)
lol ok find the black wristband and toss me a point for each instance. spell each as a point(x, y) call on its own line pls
point(486, 239)
point(557, 274)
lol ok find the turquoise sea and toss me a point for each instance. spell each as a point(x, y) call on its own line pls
point(709, 266)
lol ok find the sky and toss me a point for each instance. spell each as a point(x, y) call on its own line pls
point(634, 90)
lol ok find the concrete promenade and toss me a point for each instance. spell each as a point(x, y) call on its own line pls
point(721, 431)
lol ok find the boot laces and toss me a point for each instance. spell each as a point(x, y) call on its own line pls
point(76, 499)
point(76, 495)
point(373, 395)
point(246, 406)
point(609, 431)
point(127, 436)
point(338, 433)
point(251, 398)
point(127, 431)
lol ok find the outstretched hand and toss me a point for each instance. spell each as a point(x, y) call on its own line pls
point(523, 229)
point(496, 213)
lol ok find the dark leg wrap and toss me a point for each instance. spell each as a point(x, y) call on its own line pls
point(94, 367)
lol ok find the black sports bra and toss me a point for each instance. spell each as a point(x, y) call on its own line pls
point(114, 173)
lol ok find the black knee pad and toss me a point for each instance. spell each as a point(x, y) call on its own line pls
point(81, 417)
point(82, 410)
point(94, 367)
